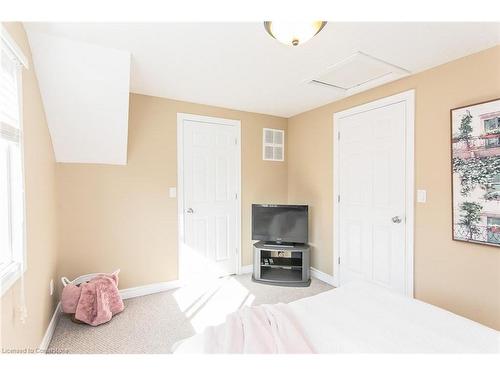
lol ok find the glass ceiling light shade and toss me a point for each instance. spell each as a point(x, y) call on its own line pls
point(293, 33)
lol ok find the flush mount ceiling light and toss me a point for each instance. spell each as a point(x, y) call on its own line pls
point(293, 33)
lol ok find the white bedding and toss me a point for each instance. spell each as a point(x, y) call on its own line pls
point(263, 329)
point(364, 318)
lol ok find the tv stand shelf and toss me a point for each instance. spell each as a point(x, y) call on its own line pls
point(281, 262)
point(281, 265)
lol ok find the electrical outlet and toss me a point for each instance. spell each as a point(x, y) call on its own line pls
point(51, 286)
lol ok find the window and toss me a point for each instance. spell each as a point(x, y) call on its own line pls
point(11, 166)
point(492, 142)
point(493, 188)
point(273, 144)
point(492, 125)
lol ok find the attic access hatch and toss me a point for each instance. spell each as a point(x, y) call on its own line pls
point(359, 72)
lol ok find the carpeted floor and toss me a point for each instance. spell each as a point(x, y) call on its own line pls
point(153, 323)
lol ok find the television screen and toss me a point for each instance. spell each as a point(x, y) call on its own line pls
point(279, 223)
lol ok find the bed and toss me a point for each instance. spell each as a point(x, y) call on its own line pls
point(365, 318)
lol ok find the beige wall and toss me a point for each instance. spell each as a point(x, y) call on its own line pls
point(460, 277)
point(121, 216)
point(40, 221)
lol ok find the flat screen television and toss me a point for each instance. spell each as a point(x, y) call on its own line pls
point(279, 223)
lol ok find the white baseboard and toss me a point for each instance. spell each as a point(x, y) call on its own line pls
point(246, 269)
point(144, 290)
point(124, 293)
point(322, 276)
point(47, 338)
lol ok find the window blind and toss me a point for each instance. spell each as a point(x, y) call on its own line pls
point(12, 255)
point(9, 95)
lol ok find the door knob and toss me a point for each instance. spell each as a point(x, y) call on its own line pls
point(189, 210)
point(396, 219)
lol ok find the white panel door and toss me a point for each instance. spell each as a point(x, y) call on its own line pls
point(210, 186)
point(372, 196)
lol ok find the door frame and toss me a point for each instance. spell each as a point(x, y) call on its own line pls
point(180, 180)
point(407, 97)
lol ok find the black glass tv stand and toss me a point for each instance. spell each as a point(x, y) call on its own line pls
point(281, 264)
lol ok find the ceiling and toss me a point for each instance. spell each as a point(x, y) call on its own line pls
point(239, 66)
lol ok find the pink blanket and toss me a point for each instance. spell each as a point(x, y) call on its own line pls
point(94, 302)
point(265, 329)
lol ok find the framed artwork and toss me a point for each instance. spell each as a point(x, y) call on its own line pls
point(475, 153)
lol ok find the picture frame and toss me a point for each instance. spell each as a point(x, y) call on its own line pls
point(475, 172)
